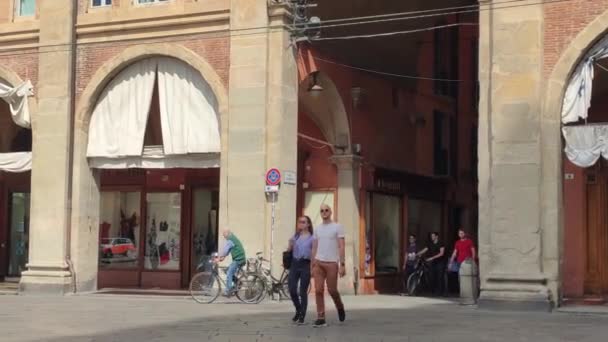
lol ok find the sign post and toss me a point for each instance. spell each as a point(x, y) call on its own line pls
point(273, 181)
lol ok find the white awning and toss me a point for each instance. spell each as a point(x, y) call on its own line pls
point(18, 102)
point(16, 162)
point(188, 114)
point(577, 99)
point(585, 144)
point(154, 158)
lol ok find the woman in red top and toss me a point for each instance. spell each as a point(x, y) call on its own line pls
point(463, 250)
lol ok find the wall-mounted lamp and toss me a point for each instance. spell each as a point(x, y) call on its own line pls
point(314, 84)
point(357, 94)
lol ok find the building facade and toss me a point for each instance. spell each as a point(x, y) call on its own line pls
point(152, 125)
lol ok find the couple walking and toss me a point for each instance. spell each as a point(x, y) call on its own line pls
point(320, 251)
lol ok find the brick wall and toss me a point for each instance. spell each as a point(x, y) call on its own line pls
point(563, 21)
point(216, 50)
point(22, 62)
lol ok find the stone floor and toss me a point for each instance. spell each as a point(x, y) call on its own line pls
point(369, 318)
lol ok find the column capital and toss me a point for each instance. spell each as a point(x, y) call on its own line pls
point(346, 161)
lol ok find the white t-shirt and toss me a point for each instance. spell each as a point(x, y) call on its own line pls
point(327, 236)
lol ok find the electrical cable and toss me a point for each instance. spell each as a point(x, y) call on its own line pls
point(387, 34)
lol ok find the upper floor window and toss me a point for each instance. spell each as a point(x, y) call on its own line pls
point(25, 8)
point(150, 1)
point(99, 3)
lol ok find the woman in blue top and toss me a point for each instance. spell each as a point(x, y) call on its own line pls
point(301, 247)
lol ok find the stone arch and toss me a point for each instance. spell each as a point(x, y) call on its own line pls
point(326, 109)
point(551, 148)
point(133, 54)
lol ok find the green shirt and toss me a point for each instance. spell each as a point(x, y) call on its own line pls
point(237, 252)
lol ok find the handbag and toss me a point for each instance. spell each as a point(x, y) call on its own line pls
point(287, 259)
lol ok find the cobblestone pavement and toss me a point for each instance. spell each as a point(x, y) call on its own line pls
point(369, 318)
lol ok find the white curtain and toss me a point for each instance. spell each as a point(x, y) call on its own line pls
point(585, 144)
point(118, 123)
point(154, 158)
point(16, 162)
point(18, 102)
point(577, 99)
point(189, 118)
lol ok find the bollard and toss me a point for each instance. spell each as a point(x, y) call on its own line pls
point(467, 276)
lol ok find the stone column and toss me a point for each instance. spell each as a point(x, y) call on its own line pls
point(348, 214)
point(48, 269)
point(509, 159)
point(262, 126)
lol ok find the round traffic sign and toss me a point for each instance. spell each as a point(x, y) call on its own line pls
point(273, 177)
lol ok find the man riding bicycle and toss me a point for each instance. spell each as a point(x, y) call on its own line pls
point(237, 252)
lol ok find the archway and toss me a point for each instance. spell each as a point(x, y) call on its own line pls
point(329, 169)
point(156, 204)
point(566, 187)
point(15, 178)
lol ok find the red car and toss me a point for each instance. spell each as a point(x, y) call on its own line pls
point(116, 246)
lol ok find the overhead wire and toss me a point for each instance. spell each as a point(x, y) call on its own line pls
point(257, 30)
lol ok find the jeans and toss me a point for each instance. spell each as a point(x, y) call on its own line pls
point(438, 277)
point(299, 272)
point(326, 272)
point(232, 269)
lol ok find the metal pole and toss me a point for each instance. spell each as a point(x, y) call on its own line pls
point(274, 194)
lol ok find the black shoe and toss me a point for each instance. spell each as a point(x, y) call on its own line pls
point(319, 323)
point(341, 315)
point(296, 317)
point(301, 320)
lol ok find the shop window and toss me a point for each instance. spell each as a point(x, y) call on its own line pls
point(119, 229)
point(386, 222)
point(25, 8)
point(163, 231)
point(99, 3)
point(204, 225)
point(440, 145)
point(424, 217)
point(312, 203)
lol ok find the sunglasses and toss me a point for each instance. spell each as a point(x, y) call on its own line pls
point(324, 210)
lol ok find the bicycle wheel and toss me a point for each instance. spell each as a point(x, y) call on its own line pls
point(251, 289)
point(205, 287)
point(413, 283)
point(284, 290)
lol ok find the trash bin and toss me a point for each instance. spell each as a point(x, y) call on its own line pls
point(467, 277)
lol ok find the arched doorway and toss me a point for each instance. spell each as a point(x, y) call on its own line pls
point(154, 142)
point(15, 175)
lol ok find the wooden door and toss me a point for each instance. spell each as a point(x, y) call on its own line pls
point(3, 230)
point(596, 278)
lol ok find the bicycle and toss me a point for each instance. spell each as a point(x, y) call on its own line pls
point(259, 270)
point(419, 278)
point(206, 285)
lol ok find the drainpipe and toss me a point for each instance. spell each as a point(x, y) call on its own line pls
point(68, 256)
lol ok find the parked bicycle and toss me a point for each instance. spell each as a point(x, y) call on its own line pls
point(258, 269)
point(207, 284)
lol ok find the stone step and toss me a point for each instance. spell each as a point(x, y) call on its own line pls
point(9, 288)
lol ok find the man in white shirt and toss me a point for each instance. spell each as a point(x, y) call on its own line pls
point(327, 264)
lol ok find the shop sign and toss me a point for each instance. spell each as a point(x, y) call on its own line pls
point(388, 185)
point(290, 178)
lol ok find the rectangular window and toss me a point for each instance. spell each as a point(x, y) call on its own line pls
point(312, 204)
point(204, 225)
point(163, 231)
point(386, 220)
point(26, 8)
point(119, 229)
point(441, 143)
point(99, 3)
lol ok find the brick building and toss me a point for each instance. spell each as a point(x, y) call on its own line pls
point(154, 122)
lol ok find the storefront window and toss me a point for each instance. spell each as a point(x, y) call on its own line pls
point(368, 238)
point(424, 217)
point(312, 203)
point(163, 231)
point(386, 213)
point(204, 226)
point(119, 229)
